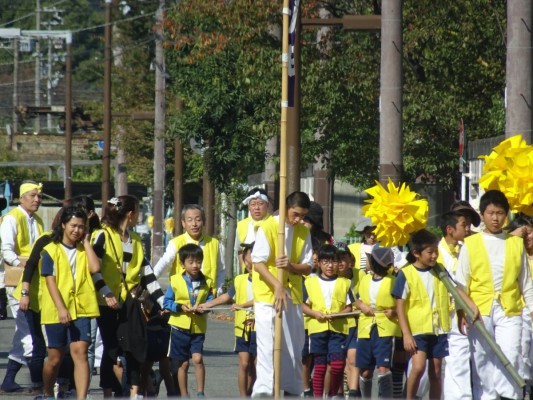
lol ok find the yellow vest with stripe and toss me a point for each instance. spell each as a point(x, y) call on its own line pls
point(446, 257)
point(481, 285)
point(318, 303)
point(262, 291)
point(420, 315)
point(79, 297)
point(195, 323)
point(112, 268)
point(22, 241)
point(210, 250)
point(384, 301)
point(241, 296)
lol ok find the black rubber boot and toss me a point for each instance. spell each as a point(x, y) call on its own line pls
point(9, 385)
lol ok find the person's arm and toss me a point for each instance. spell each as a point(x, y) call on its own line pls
point(169, 302)
point(149, 281)
point(365, 308)
point(92, 259)
point(29, 269)
point(168, 258)
point(8, 234)
point(409, 343)
point(98, 244)
point(303, 267)
point(248, 304)
point(217, 301)
point(463, 322)
point(280, 296)
point(307, 310)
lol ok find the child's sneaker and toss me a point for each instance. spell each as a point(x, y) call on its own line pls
point(200, 394)
point(307, 393)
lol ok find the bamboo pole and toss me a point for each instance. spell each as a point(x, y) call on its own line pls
point(281, 275)
point(443, 276)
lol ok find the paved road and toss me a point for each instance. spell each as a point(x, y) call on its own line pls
point(220, 361)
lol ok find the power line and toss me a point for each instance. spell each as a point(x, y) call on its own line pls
point(115, 22)
point(29, 15)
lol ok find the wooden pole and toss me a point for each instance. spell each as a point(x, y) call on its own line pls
point(282, 186)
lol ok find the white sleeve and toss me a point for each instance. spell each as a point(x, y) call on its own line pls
point(221, 268)
point(462, 272)
point(261, 251)
point(8, 234)
point(526, 283)
point(307, 253)
point(168, 258)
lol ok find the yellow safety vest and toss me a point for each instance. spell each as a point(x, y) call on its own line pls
point(384, 301)
point(481, 285)
point(210, 250)
point(195, 323)
point(420, 315)
point(112, 267)
point(79, 297)
point(22, 241)
point(318, 303)
point(262, 291)
point(355, 249)
point(241, 296)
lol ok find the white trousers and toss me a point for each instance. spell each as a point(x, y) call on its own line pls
point(491, 379)
point(22, 345)
point(457, 382)
point(527, 349)
point(293, 339)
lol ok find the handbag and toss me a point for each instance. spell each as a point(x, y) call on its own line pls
point(138, 294)
point(13, 275)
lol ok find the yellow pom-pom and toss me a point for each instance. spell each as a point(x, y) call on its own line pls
point(396, 211)
point(169, 225)
point(508, 169)
point(150, 221)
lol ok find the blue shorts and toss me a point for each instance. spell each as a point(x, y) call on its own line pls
point(435, 346)
point(375, 351)
point(246, 346)
point(59, 335)
point(184, 344)
point(327, 342)
point(157, 339)
point(306, 351)
point(351, 339)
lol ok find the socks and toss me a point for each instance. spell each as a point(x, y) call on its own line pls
point(385, 385)
point(336, 363)
point(319, 372)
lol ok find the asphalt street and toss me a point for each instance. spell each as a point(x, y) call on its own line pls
point(221, 363)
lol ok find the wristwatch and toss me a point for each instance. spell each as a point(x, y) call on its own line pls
point(24, 292)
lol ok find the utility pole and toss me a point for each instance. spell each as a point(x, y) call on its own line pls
point(178, 178)
point(159, 139)
point(106, 154)
point(15, 89)
point(68, 119)
point(37, 90)
point(390, 127)
point(518, 93)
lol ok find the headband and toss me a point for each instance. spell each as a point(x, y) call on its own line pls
point(28, 186)
point(256, 195)
point(115, 201)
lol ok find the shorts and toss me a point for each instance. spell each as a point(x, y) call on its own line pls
point(184, 344)
point(327, 342)
point(435, 346)
point(306, 351)
point(59, 335)
point(374, 351)
point(246, 346)
point(351, 339)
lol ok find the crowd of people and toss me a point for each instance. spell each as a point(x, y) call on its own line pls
point(347, 311)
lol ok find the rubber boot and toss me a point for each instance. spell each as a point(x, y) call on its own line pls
point(365, 386)
point(3, 304)
point(385, 385)
point(9, 385)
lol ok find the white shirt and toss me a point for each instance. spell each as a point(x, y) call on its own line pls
point(171, 253)
point(261, 251)
point(495, 247)
point(8, 236)
point(250, 236)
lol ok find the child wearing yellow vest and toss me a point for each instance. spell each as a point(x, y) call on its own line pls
point(348, 270)
point(378, 324)
point(68, 299)
point(245, 335)
point(188, 322)
point(422, 305)
point(325, 295)
point(272, 296)
point(493, 269)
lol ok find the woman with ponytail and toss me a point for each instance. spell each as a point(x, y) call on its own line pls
point(123, 267)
